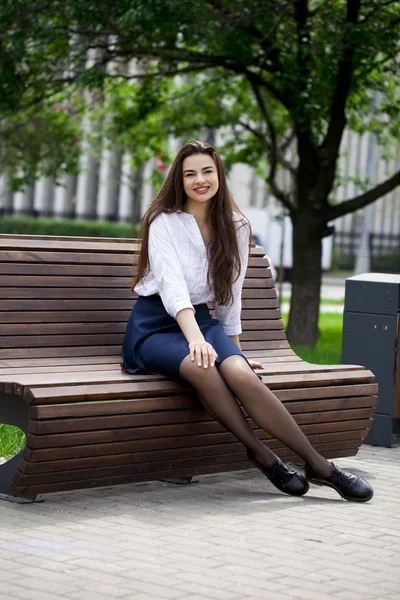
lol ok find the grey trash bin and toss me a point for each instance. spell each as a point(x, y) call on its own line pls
point(371, 322)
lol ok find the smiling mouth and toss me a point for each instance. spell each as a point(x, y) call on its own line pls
point(202, 189)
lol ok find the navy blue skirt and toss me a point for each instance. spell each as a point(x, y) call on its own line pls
point(154, 343)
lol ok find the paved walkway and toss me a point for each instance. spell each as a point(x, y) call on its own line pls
point(228, 537)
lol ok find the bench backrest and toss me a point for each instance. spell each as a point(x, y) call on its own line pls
point(70, 297)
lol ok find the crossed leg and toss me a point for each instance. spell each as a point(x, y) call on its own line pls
point(217, 389)
point(220, 403)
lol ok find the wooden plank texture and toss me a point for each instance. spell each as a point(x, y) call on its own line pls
point(340, 439)
point(157, 475)
point(64, 305)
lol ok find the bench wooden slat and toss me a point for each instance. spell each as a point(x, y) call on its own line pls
point(164, 429)
point(48, 341)
point(95, 258)
point(59, 369)
point(263, 334)
point(23, 237)
point(311, 379)
point(254, 297)
point(162, 463)
point(61, 317)
point(111, 326)
point(67, 244)
point(95, 392)
point(270, 319)
point(87, 281)
point(91, 366)
point(49, 488)
point(117, 376)
point(157, 475)
point(73, 258)
point(282, 364)
point(59, 360)
point(271, 353)
point(72, 351)
point(115, 271)
point(173, 441)
point(181, 464)
point(129, 405)
point(94, 462)
point(93, 423)
point(114, 370)
point(279, 347)
point(119, 245)
point(66, 301)
point(261, 345)
point(63, 304)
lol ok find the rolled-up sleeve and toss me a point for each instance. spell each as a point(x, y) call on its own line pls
point(230, 316)
point(167, 269)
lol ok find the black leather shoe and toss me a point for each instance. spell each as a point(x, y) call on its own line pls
point(285, 479)
point(351, 487)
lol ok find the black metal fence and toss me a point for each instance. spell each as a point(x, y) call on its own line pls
point(384, 251)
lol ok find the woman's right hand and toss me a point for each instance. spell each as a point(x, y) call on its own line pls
point(202, 352)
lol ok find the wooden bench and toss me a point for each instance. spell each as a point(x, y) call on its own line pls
point(64, 304)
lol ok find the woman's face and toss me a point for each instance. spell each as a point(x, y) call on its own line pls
point(200, 177)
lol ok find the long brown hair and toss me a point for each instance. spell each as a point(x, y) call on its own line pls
point(223, 250)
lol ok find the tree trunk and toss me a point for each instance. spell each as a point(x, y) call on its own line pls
point(302, 328)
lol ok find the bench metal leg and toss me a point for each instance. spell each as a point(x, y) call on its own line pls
point(179, 480)
point(7, 471)
point(13, 411)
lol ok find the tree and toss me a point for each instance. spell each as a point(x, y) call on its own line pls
point(39, 123)
point(43, 141)
point(287, 70)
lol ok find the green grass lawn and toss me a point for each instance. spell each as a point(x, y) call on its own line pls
point(328, 351)
point(338, 301)
point(11, 441)
point(329, 347)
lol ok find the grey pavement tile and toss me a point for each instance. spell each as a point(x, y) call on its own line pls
point(153, 578)
point(231, 537)
point(96, 595)
point(207, 590)
point(111, 591)
point(96, 565)
point(9, 588)
point(33, 595)
point(42, 586)
point(40, 573)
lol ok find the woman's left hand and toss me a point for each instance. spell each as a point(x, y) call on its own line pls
point(255, 364)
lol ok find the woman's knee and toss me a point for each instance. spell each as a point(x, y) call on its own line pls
point(198, 376)
point(235, 370)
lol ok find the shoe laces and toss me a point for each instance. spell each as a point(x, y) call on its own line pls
point(285, 472)
point(343, 477)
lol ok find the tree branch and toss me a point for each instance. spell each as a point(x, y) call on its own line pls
point(226, 12)
point(364, 199)
point(271, 50)
point(287, 141)
point(377, 9)
point(273, 152)
point(301, 13)
point(337, 116)
point(158, 74)
point(256, 133)
point(286, 164)
point(281, 160)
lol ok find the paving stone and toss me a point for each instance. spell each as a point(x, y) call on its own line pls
point(229, 537)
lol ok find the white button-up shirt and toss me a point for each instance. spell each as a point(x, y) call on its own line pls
point(178, 268)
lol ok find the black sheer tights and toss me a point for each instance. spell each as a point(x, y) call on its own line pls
point(216, 389)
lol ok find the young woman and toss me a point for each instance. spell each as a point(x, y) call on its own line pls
point(195, 247)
